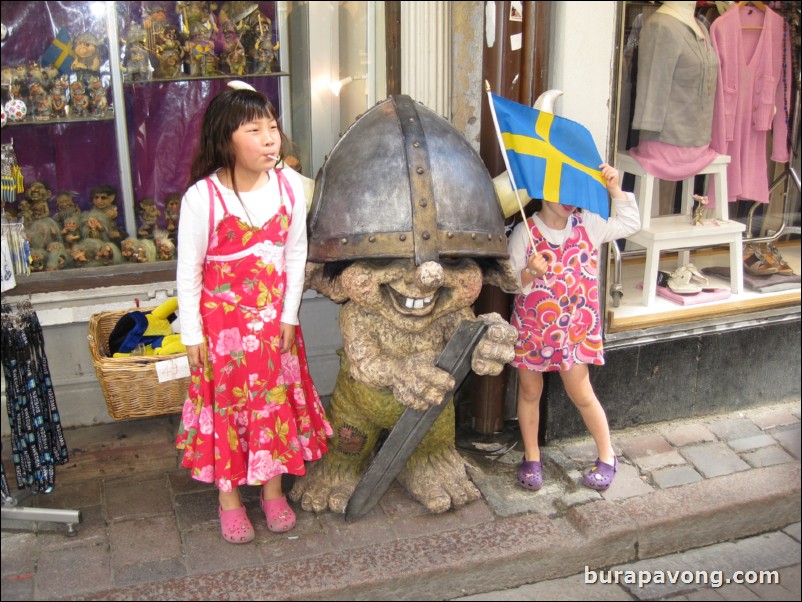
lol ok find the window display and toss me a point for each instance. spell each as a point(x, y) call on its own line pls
point(678, 122)
point(60, 66)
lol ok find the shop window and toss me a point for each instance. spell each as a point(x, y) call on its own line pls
point(109, 98)
point(687, 295)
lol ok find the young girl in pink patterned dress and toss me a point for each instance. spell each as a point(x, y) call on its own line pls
point(253, 413)
point(558, 321)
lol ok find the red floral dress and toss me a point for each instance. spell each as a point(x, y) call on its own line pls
point(252, 412)
point(558, 322)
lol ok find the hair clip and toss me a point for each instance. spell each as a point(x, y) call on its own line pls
point(240, 85)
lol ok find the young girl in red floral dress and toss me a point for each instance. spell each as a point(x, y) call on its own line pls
point(253, 413)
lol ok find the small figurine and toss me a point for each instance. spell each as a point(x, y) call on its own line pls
point(148, 216)
point(236, 60)
point(172, 209)
point(37, 191)
point(169, 54)
point(127, 248)
point(71, 231)
point(65, 206)
point(169, 64)
point(58, 258)
point(40, 102)
point(97, 96)
point(85, 252)
point(203, 60)
point(699, 206)
point(144, 251)
point(103, 196)
point(94, 225)
point(154, 25)
point(87, 55)
point(58, 99)
point(264, 51)
point(79, 101)
point(40, 209)
point(137, 64)
point(38, 257)
point(43, 231)
point(109, 254)
point(165, 248)
point(113, 230)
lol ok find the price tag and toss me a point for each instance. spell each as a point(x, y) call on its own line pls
point(172, 369)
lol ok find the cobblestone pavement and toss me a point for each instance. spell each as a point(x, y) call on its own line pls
point(712, 493)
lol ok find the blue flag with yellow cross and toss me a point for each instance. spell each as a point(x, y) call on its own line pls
point(60, 53)
point(553, 158)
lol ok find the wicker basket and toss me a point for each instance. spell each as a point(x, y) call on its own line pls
point(130, 384)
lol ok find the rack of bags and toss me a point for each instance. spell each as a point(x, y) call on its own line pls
point(37, 438)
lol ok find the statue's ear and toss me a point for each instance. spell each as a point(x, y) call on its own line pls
point(503, 278)
point(316, 280)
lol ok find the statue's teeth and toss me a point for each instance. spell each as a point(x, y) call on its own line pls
point(409, 303)
point(418, 304)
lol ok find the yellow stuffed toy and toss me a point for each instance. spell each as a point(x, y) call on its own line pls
point(147, 333)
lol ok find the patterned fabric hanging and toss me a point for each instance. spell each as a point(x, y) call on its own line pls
point(37, 438)
point(12, 182)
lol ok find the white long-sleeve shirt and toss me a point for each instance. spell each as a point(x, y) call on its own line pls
point(625, 222)
point(193, 241)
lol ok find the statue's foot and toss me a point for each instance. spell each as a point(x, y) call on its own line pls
point(439, 481)
point(325, 487)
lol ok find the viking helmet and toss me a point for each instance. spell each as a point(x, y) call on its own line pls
point(403, 182)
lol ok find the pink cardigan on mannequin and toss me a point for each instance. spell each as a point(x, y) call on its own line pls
point(752, 97)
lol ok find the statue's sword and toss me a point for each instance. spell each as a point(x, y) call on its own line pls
point(414, 424)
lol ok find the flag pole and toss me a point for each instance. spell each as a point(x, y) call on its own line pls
point(507, 164)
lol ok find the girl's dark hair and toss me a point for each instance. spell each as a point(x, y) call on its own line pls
point(227, 111)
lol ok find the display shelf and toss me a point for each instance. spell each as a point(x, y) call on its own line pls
point(632, 316)
point(141, 148)
point(66, 121)
point(677, 231)
point(226, 76)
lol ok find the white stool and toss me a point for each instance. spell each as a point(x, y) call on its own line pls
point(659, 233)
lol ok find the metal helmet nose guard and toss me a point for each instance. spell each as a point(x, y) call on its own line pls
point(402, 182)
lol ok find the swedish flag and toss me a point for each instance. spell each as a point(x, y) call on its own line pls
point(60, 53)
point(553, 158)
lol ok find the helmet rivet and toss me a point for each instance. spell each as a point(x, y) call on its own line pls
point(344, 241)
point(473, 236)
point(419, 170)
point(416, 144)
point(425, 236)
point(372, 239)
point(489, 237)
point(402, 238)
point(450, 235)
point(423, 202)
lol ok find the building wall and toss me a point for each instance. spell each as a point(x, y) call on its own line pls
point(722, 371)
point(582, 64)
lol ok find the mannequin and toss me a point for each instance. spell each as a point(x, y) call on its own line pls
point(684, 11)
point(675, 94)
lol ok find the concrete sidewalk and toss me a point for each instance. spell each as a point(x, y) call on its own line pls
point(148, 532)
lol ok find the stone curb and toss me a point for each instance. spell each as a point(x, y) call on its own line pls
point(511, 551)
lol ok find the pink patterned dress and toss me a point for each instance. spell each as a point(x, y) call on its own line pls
point(252, 412)
point(558, 322)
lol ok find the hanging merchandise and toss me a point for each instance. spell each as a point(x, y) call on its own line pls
point(37, 439)
point(19, 251)
point(7, 280)
point(12, 182)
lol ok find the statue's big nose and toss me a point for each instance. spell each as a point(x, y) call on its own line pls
point(429, 276)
